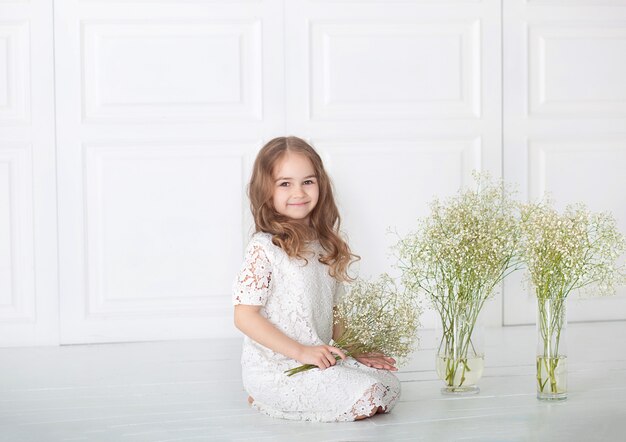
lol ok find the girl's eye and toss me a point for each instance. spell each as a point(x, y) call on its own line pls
point(284, 184)
point(309, 182)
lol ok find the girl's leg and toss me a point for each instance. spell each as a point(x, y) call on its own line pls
point(250, 400)
point(365, 407)
point(375, 410)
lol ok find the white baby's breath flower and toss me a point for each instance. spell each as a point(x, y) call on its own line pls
point(376, 317)
point(457, 257)
point(466, 246)
point(569, 251)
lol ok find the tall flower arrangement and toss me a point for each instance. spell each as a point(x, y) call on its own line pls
point(376, 317)
point(456, 258)
point(564, 252)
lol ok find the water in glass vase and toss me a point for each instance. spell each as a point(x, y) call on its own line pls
point(460, 374)
point(552, 378)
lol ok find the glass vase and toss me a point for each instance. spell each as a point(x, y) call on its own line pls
point(551, 349)
point(460, 359)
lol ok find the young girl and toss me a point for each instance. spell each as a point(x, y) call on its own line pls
point(285, 293)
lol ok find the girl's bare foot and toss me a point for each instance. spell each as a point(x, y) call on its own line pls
point(374, 411)
point(250, 400)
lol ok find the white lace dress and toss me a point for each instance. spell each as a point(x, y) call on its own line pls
point(298, 299)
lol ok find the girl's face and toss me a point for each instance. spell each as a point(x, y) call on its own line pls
point(296, 189)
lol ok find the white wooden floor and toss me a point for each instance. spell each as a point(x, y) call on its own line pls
point(191, 390)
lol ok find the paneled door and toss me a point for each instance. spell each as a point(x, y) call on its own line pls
point(565, 121)
point(28, 247)
point(160, 108)
point(403, 99)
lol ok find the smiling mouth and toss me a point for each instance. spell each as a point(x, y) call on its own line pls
point(297, 204)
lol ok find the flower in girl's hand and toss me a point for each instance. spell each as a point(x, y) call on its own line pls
point(379, 323)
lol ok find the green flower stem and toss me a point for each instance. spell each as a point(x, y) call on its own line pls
point(342, 343)
point(305, 367)
point(550, 327)
point(456, 342)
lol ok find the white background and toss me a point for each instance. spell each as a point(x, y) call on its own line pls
point(128, 130)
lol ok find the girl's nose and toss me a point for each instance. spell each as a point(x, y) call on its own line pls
point(298, 191)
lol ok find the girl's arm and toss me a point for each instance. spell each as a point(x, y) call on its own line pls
point(249, 320)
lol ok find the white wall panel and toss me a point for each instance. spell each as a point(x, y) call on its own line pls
point(569, 170)
point(15, 75)
point(413, 68)
point(164, 111)
point(6, 257)
point(564, 123)
point(28, 243)
point(378, 70)
point(136, 194)
point(404, 100)
point(162, 240)
point(17, 294)
point(165, 70)
point(560, 84)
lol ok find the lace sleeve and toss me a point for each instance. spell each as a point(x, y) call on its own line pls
point(253, 282)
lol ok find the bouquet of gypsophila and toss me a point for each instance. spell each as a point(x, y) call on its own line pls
point(564, 252)
point(455, 259)
point(376, 318)
point(569, 251)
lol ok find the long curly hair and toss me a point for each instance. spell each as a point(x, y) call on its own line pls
point(289, 234)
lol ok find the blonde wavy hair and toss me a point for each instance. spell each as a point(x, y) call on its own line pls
point(289, 234)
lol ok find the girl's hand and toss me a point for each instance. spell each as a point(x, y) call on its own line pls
point(377, 360)
point(320, 355)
